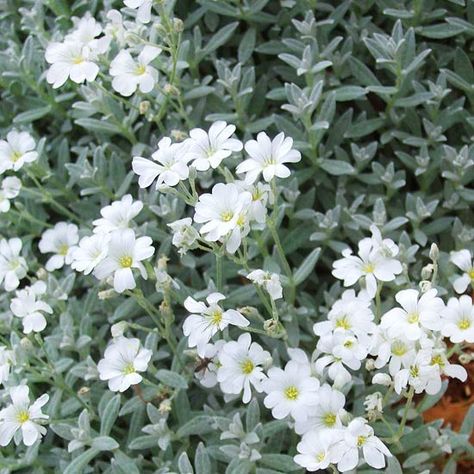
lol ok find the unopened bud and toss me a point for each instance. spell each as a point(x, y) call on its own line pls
point(425, 286)
point(178, 25)
point(162, 263)
point(370, 364)
point(165, 406)
point(83, 391)
point(434, 252)
point(465, 358)
point(42, 274)
point(274, 328)
point(382, 379)
point(179, 135)
point(106, 294)
point(427, 271)
point(171, 90)
point(26, 344)
point(249, 311)
point(118, 329)
point(144, 107)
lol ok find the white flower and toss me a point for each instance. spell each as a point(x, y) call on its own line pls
point(144, 9)
point(13, 267)
point(261, 195)
point(184, 234)
point(206, 371)
point(463, 260)
point(314, 450)
point(70, 59)
point(207, 320)
point(290, 391)
point(269, 281)
point(418, 314)
point(115, 29)
point(374, 402)
point(122, 361)
point(240, 367)
point(458, 320)
point(268, 157)
point(128, 73)
point(350, 314)
point(326, 414)
point(223, 213)
point(343, 350)
point(420, 374)
point(117, 215)
point(86, 30)
point(10, 189)
point(19, 420)
point(125, 253)
point(60, 241)
point(30, 308)
point(439, 359)
point(90, 252)
point(398, 350)
point(16, 150)
point(208, 149)
point(7, 359)
point(372, 263)
point(358, 437)
point(169, 165)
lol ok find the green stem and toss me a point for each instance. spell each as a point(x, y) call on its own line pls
point(219, 272)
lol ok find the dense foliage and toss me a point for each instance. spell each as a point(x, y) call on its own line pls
point(173, 280)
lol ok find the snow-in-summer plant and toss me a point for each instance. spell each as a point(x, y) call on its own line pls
point(236, 237)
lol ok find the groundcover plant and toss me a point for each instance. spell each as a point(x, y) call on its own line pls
point(236, 236)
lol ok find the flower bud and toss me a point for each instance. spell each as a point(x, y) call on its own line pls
point(83, 391)
point(425, 286)
point(42, 274)
point(426, 271)
point(119, 328)
point(171, 90)
point(106, 294)
point(144, 107)
point(274, 328)
point(370, 364)
point(178, 25)
point(178, 135)
point(165, 406)
point(382, 379)
point(26, 344)
point(434, 252)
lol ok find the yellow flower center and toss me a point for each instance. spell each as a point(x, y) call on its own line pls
point(247, 366)
point(125, 261)
point(399, 349)
point(23, 416)
point(413, 318)
point(63, 248)
point(78, 60)
point(16, 155)
point(256, 195)
point(320, 456)
point(368, 268)
point(348, 344)
point(464, 324)
point(329, 419)
point(291, 392)
point(471, 273)
point(343, 323)
point(361, 440)
point(414, 371)
point(139, 70)
point(241, 220)
point(216, 317)
point(129, 369)
point(226, 216)
point(438, 360)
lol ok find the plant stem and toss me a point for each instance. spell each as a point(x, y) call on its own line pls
point(219, 283)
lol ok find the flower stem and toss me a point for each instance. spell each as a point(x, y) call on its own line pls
point(219, 282)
